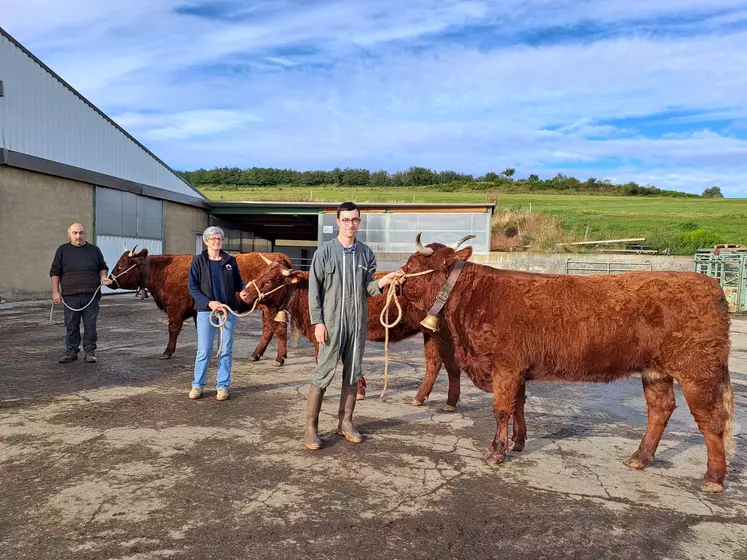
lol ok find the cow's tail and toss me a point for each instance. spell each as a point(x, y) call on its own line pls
point(294, 333)
point(727, 395)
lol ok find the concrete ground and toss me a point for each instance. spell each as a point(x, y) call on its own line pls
point(111, 460)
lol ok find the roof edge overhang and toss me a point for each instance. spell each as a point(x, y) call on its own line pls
point(106, 117)
point(62, 170)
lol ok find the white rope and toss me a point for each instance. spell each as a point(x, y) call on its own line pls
point(51, 311)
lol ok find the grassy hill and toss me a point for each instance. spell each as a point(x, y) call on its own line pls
point(680, 224)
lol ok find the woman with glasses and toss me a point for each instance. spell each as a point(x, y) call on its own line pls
point(340, 279)
point(214, 279)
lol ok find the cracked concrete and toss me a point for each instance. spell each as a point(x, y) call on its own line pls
point(111, 460)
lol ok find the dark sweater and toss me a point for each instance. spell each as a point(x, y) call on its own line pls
point(201, 283)
point(78, 268)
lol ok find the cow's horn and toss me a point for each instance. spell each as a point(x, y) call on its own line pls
point(124, 245)
point(286, 272)
point(427, 251)
point(132, 251)
point(268, 261)
point(456, 245)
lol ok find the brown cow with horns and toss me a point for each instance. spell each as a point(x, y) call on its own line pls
point(165, 276)
point(508, 328)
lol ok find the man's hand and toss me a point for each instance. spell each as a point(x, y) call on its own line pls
point(57, 297)
point(215, 305)
point(396, 278)
point(320, 333)
point(106, 281)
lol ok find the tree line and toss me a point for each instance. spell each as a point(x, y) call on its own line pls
point(234, 177)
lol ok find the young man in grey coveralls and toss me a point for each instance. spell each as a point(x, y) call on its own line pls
point(340, 279)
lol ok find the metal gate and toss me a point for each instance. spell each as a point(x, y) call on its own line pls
point(730, 269)
point(604, 267)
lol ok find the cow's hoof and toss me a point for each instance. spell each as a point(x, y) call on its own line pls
point(494, 458)
point(416, 402)
point(518, 446)
point(254, 357)
point(635, 463)
point(711, 487)
point(448, 408)
point(164, 356)
point(278, 363)
point(360, 396)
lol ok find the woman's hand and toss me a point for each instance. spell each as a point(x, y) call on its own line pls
point(215, 305)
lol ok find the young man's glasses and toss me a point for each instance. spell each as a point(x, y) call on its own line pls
point(348, 221)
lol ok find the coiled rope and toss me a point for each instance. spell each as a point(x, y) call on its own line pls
point(392, 296)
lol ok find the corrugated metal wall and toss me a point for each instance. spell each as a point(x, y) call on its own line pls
point(41, 117)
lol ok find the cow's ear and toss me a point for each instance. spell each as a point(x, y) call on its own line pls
point(464, 254)
point(143, 253)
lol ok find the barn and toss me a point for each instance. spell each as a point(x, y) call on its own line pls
point(62, 160)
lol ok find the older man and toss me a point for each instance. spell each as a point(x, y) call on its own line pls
point(78, 269)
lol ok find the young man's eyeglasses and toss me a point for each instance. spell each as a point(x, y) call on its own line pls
point(348, 221)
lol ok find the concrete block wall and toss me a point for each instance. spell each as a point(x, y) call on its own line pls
point(35, 212)
point(180, 223)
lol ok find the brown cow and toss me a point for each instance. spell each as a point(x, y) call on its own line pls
point(165, 277)
point(298, 306)
point(509, 328)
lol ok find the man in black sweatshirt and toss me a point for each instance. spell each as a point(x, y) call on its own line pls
point(78, 269)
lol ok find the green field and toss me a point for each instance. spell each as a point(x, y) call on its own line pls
point(681, 224)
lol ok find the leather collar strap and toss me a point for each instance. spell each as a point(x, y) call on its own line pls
point(443, 295)
point(289, 295)
point(144, 275)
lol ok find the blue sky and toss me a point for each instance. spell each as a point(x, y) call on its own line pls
point(652, 91)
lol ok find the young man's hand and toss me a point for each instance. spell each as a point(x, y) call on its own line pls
point(320, 333)
point(396, 278)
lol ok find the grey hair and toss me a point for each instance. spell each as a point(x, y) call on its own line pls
point(212, 230)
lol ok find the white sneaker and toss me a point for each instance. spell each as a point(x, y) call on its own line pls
point(222, 395)
point(195, 393)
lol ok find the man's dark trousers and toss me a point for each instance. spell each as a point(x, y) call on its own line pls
point(72, 322)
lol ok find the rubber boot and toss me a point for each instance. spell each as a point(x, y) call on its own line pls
point(345, 415)
point(313, 406)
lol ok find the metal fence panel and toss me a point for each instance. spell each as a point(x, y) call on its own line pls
point(604, 267)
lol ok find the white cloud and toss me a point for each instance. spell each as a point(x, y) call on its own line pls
point(186, 125)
